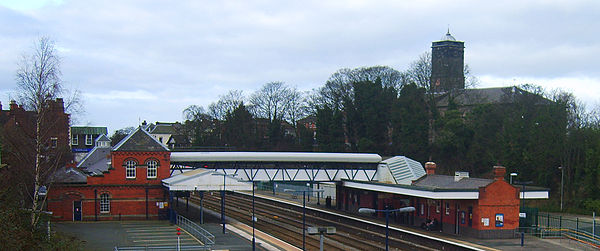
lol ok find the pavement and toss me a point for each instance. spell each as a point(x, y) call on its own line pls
point(106, 235)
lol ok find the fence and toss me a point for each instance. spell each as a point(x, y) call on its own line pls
point(545, 225)
point(200, 233)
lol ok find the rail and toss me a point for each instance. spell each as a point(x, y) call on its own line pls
point(200, 233)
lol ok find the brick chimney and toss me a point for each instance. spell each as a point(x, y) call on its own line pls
point(430, 167)
point(499, 172)
point(13, 105)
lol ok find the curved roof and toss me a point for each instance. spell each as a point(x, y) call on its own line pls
point(448, 37)
point(274, 157)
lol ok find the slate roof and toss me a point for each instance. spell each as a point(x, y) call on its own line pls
point(178, 139)
point(163, 129)
point(96, 162)
point(88, 130)
point(495, 95)
point(69, 175)
point(140, 141)
point(435, 181)
point(102, 137)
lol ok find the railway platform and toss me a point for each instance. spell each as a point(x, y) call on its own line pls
point(531, 243)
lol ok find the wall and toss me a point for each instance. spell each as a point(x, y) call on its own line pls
point(498, 197)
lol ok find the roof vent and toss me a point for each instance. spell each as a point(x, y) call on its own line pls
point(460, 175)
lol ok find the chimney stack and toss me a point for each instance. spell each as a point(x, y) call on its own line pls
point(499, 172)
point(430, 167)
point(13, 105)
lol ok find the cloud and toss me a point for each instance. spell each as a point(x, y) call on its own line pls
point(121, 95)
point(167, 56)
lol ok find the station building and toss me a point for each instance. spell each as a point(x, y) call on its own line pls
point(119, 183)
point(461, 205)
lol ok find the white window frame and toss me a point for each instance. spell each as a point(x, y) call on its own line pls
point(130, 166)
point(75, 140)
point(152, 168)
point(104, 203)
point(89, 139)
point(53, 142)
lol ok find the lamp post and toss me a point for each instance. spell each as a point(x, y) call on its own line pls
point(512, 175)
point(303, 210)
point(253, 218)
point(223, 197)
point(363, 210)
point(562, 175)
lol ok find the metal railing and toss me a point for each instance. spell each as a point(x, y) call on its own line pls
point(200, 233)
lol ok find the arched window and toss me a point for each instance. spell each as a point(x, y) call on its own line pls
point(130, 166)
point(104, 203)
point(152, 166)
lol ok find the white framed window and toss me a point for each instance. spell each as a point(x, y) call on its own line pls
point(88, 139)
point(53, 142)
point(104, 203)
point(75, 140)
point(130, 166)
point(151, 166)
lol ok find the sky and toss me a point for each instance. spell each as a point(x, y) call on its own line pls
point(149, 60)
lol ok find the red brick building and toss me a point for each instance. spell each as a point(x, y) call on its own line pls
point(461, 205)
point(113, 184)
point(19, 128)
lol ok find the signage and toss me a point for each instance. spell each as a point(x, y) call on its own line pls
point(485, 221)
point(499, 220)
point(522, 215)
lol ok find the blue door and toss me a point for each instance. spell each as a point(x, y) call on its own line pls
point(77, 210)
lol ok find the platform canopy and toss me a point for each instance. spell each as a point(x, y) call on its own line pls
point(205, 180)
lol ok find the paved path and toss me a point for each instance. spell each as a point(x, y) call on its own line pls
point(107, 235)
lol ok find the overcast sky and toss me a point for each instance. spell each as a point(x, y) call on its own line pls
point(149, 60)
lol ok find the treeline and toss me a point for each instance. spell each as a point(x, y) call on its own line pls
point(385, 111)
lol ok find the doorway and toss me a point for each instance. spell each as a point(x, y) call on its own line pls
point(77, 210)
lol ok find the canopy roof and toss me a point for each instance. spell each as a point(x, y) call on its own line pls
point(274, 157)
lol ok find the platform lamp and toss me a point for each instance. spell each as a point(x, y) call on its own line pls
point(223, 196)
point(304, 191)
point(512, 175)
point(562, 175)
point(364, 210)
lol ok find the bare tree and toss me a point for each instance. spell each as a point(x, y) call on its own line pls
point(339, 85)
point(420, 71)
point(39, 84)
point(273, 101)
point(194, 112)
point(226, 103)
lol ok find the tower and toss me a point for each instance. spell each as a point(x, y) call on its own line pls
point(447, 64)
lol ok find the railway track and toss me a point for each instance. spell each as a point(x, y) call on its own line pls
point(284, 221)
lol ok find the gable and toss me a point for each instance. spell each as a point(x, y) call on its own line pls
point(499, 192)
point(140, 141)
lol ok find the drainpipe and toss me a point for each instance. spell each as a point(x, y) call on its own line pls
point(146, 202)
point(95, 204)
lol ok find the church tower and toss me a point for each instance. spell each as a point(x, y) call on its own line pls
point(447, 64)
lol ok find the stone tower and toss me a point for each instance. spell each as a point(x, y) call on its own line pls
point(447, 64)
